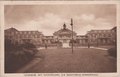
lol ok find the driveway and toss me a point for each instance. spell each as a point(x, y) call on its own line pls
point(83, 60)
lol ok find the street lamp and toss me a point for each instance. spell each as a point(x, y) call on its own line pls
point(72, 33)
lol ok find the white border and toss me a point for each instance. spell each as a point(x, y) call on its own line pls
point(2, 3)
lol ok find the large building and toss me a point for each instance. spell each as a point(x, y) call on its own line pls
point(16, 36)
point(63, 37)
point(99, 37)
point(102, 37)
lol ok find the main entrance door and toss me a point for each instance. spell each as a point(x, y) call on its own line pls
point(65, 43)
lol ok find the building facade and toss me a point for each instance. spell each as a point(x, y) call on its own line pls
point(34, 37)
point(63, 37)
point(102, 37)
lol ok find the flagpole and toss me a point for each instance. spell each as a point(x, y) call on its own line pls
point(72, 33)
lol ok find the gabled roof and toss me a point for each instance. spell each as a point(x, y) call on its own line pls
point(11, 29)
point(114, 28)
point(64, 30)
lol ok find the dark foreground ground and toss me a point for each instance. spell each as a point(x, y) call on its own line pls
point(63, 61)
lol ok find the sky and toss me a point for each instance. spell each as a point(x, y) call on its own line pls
point(50, 18)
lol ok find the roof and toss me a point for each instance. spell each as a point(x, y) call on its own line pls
point(23, 32)
point(114, 28)
point(64, 30)
point(11, 29)
point(99, 31)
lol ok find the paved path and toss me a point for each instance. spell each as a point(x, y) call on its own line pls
point(63, 61)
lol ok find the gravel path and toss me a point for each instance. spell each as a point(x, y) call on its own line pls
point(82, 60)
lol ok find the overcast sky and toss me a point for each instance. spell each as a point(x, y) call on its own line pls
point(50, 18)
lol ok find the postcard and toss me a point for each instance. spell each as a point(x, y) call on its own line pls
point(59, 38)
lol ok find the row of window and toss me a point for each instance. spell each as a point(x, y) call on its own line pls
point(101, 31)
point(27, 36)
point(100, 35)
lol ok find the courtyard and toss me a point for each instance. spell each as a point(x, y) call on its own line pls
point(83, 60)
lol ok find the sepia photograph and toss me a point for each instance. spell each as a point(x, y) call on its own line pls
point(60, 38)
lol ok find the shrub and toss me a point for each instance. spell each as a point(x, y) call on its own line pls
point(16, 55)
point(113, 52)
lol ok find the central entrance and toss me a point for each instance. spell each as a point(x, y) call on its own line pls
point(65, 43)
point(64, 36)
